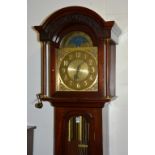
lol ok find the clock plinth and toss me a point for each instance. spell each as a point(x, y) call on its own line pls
point(78, 76)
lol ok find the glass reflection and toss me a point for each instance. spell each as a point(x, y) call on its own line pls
point(78, 136)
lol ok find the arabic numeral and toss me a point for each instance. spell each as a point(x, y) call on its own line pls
point(65, 63)
point(70, 57)
point(85, 83)
point(90, 62)
point(78, 85)
point(78, 54)
point(91, 78)
point(92, 69)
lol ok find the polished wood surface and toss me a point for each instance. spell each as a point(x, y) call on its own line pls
point(93, 115)
point(71, 19)
point(104, 35)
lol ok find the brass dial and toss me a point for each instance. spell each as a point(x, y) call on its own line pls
point(78, 70)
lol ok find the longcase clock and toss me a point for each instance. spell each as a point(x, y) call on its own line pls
point(78, 57)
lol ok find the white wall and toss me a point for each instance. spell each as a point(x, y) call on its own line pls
point(116, 112)
point(118, 109)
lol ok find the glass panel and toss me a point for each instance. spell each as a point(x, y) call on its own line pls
point(78, 136)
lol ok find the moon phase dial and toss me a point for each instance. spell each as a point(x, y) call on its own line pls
point(78, 70)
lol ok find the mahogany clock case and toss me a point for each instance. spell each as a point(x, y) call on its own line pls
point(78, 114)
point(104, 36)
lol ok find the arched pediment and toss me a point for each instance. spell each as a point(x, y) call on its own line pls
point(73, 18)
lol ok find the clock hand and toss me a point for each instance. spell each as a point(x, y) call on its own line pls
point(77, 71)
point(76, 75)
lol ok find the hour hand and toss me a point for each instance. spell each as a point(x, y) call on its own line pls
point(76, 77)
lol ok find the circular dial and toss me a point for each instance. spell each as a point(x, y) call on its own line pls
point(78, 70)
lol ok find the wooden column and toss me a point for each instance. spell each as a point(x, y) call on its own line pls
point(107, 67)
point(43, 68)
